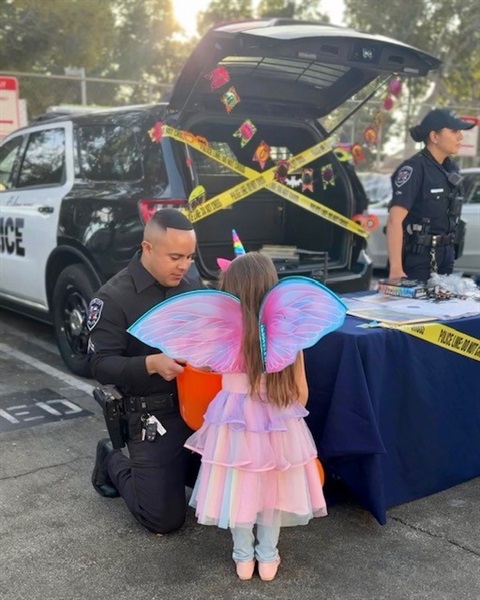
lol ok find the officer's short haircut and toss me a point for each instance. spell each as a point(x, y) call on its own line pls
point(170, 217)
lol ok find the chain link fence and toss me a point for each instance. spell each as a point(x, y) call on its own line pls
point(41, 92)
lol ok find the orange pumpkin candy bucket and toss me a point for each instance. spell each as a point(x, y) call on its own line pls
point(196, 389)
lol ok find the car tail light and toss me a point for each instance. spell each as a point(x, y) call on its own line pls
point(147, 208)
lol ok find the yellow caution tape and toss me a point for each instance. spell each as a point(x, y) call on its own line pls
point(443, 336)
point(256, 181)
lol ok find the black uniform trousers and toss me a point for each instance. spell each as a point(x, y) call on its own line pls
point(152, 479)
point(417, 266)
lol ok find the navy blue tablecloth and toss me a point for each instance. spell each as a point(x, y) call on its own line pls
point(394, 417)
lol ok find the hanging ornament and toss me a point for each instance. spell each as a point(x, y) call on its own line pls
point(328, 176)
point(246, 131)
point(307, 180)
point(230, 99)
point(343, 153)
point(378, 119)
point(218, 77)
point(262, 154)
point(281, 171)
point(370, 135)
point(395, 87)
point(156, 132)
point(388, 103)
point(358, 153)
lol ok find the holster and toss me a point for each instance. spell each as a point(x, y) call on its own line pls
point(112, 406)
point(459, 241)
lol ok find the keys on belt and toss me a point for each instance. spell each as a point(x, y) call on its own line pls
point(150, 427)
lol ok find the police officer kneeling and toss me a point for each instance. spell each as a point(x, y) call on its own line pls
point(424, 224)
point(142, 408)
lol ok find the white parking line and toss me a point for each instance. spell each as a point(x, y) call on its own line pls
point(41, 366)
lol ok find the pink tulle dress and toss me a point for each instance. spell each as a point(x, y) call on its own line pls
point(258, 461)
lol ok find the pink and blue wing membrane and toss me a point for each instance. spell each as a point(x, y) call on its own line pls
point(295, 314)
point(203, 327)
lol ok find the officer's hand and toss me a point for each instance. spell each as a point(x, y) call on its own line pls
point(163, 365)
point(396, 274)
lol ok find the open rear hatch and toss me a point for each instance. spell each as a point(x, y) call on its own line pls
point(291, 78)
point(306, 68)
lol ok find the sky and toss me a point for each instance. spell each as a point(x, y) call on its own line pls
point(186, 12)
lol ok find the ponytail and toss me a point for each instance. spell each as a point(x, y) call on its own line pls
point(417, 134)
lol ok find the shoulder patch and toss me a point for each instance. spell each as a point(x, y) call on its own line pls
point(403, 175)
point(94, 312)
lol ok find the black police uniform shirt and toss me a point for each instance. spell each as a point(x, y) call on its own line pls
point(116, 357)
point(420, 184)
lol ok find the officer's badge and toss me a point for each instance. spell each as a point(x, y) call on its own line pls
point(403, 175)
point(94, 312)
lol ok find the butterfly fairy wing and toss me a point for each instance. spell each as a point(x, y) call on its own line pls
point(203, 327)
point(294, 315)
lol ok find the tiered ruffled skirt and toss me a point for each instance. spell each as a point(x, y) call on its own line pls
point(258, 462)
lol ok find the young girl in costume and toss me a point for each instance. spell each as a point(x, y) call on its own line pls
point(259, 469)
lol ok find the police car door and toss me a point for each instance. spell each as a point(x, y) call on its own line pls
point(29, 211)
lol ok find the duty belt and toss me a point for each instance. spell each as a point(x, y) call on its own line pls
point(155, 403)
point(428, 240)
point(442, 239)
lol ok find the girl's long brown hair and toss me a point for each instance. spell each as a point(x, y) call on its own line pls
point(249, 277)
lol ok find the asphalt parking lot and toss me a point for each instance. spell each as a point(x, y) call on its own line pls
point(61, 541)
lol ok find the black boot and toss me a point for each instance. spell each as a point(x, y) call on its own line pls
point(100, 478)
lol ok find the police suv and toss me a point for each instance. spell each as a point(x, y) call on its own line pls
point(75, 191)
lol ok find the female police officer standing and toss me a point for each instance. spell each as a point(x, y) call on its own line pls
point(426, 202)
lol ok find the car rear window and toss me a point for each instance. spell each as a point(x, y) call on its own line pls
point(109, 153)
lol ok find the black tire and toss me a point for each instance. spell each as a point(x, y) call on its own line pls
point(73, 291)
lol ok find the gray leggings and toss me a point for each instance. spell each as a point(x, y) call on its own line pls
point(263, 548)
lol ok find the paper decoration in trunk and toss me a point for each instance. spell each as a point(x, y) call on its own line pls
point(281, 172)
point(197, 196)
point(262, 154)
point(218, 77)
point(230, 99)
point(328, 176)
point(245, 132)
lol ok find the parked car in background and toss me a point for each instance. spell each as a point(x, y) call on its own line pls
point(469, 262)
point(377, 186)
point(75, 191)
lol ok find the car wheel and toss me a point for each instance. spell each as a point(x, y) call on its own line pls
point(73, 291)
